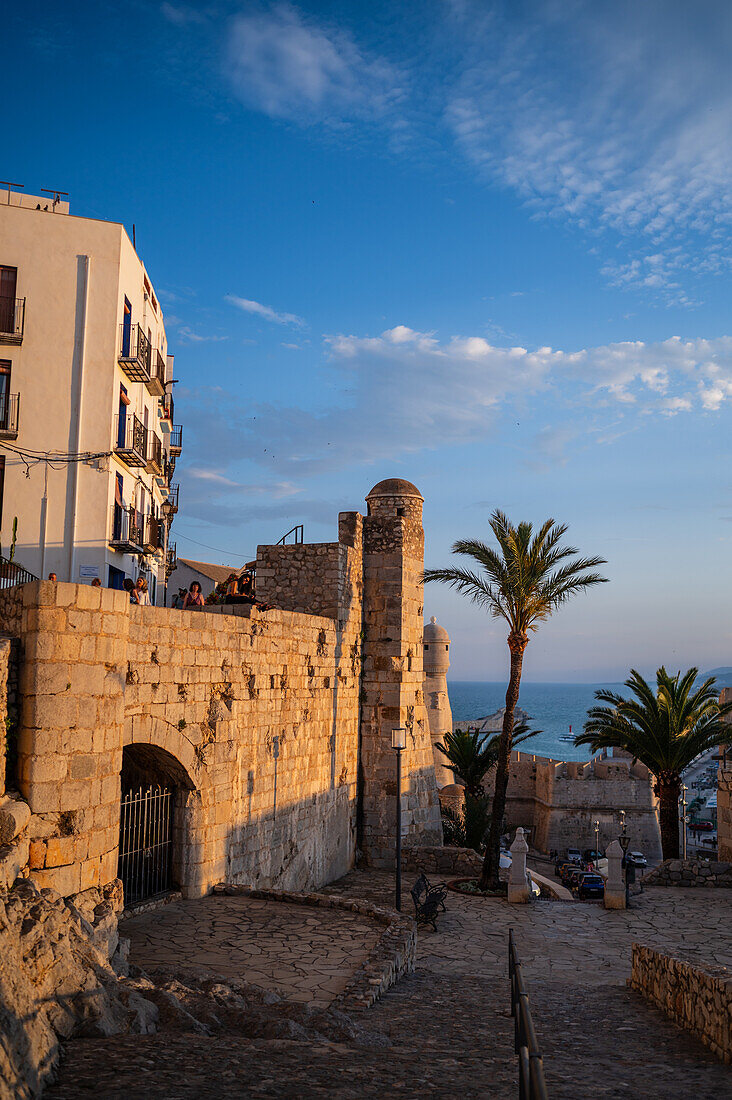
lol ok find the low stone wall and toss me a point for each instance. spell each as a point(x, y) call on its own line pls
point(394, 955)
point(690, 872)
point(699, 999)
point(456, 862)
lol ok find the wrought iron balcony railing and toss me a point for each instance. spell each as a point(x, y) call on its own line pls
point(154, 453)
point(171, 560)
point(154, 535)
point(126, 531)
point(173, 495)
point(129, 440)
point(156, 382)
point(9, 415)
point(134, 353)
point(12, 320)
point(176, 439)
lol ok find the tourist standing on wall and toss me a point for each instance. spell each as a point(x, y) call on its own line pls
point(194, 596)
point(143, 597)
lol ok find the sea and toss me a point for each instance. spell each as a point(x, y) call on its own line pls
point(552, 708)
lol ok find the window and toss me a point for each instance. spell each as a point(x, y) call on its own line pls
point(2, 485)
point(8, 287)
point(126, 328)
point(5, 368)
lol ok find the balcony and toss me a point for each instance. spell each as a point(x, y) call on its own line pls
point(12, 320)
point(9, 415)
point(127, 524)
point(153, 538)
point(156, 382)
point(171, 561)
point(129, 440)
point(173, 494)
point(154, 454)
point(134, 353)
point(167, 410)
point(176, 440)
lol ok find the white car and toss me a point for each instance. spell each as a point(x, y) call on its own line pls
point(637, 859)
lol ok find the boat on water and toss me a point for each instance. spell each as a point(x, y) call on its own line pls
point(567, 736)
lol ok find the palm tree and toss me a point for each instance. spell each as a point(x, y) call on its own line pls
point(471, 754)
point(666, 730)
point(523, 582)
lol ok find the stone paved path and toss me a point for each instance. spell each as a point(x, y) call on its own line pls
point(305, 954)
point(444, 1031)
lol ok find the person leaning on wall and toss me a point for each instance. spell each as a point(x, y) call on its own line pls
point(194, 597)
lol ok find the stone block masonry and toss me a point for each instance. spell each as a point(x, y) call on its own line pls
point(697, 998)
point(256, 721)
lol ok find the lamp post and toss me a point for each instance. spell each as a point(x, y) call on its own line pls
point(684, 790)
point(596, 826)
point(624, 842)
point(167, 509)
point(399, 743)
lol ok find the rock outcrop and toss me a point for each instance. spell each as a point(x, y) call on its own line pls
point(57, 979)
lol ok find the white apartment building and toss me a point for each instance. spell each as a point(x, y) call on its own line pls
point(87, 438)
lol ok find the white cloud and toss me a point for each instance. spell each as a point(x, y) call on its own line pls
point(181, 14)
point(189, 336)
point(269, 314)
point(406, 391)
point(614, 117)
point(285, 63)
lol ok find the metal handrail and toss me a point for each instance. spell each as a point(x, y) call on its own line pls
point(532, 1085)
point(298, 532)
point(134, 347)
point(11, 573)
point(154, 450)
point(176, 438)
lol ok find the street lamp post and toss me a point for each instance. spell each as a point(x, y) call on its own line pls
point(399, 743)
point(624, 842)
point(684, 790)
point(597, 841)
point(167, 509)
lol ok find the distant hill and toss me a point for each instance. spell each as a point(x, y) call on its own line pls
point(722, 675)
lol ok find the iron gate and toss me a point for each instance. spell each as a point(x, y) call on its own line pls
point(146, 843)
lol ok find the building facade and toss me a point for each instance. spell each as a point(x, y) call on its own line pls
point(87, 436)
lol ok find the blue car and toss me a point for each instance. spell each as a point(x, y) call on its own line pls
point(591, 886)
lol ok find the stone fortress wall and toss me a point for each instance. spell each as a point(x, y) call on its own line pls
point(273, 727)
point(560, 800)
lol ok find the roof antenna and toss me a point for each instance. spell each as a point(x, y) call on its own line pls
point(133, 237)
point(4, 183)
point(56, 195)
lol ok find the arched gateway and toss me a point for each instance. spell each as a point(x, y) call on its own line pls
point(154, 790)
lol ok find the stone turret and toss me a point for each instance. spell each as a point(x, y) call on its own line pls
point(392, 682)
point(437, 700)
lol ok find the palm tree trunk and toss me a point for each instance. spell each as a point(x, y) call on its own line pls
point(668, 790)
point(489, 879)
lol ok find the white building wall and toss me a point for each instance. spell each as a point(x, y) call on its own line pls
point(74, 274)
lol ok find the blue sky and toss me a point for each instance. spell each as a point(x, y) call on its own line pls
point(482, 246)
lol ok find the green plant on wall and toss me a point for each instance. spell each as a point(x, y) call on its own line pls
point(15, 537)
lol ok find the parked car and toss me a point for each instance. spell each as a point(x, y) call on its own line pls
point(572, 876)
point(505, 859)
point(702, 826)
point(591, 886)
point(591, 855)
point(574, 855)
point(637, 859)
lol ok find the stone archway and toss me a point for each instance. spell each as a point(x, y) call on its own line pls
point(159, 810)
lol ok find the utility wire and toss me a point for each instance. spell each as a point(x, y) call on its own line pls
point(218, 549)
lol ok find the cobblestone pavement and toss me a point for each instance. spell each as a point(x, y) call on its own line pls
point(445, 1031)
point(306, 955)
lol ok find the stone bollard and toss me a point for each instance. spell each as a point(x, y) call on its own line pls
point(614, 884)
point(518, 890)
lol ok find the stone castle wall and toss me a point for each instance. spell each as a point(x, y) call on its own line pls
point(561, 800)
point(258, 719)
